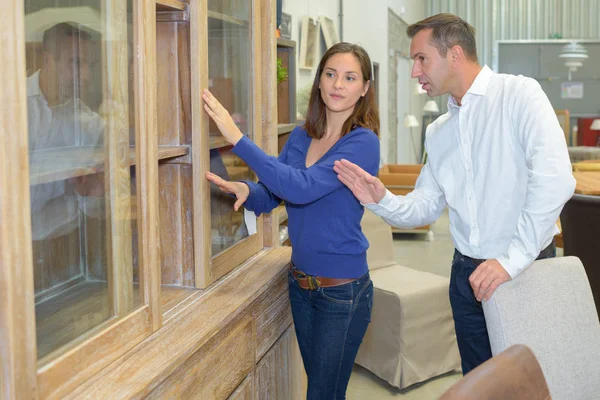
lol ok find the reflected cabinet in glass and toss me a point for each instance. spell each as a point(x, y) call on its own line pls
point(230, 71)
point(82, 167)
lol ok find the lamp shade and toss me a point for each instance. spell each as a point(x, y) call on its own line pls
point(410, 121)
point(431, 106)
point(595, 125)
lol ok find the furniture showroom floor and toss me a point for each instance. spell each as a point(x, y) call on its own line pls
point(413, 251)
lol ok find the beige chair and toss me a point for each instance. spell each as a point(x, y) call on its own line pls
point(549, 308)
point(513, 374)
point(411, 335)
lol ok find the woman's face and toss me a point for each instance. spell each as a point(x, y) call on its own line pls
point(342, 83)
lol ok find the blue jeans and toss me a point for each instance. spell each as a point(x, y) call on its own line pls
point(469, 321)
point(330, 325)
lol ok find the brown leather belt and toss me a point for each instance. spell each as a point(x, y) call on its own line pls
point(312, 282)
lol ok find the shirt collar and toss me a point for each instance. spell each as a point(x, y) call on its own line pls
point(33, 85)
point(478, 87)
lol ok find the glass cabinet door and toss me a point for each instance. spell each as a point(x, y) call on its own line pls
point(229, 72)
point(81, 132)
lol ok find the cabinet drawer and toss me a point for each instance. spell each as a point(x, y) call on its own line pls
point(216, 369)
point(273, 315)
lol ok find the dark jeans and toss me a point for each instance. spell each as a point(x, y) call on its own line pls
point(469, 321)
point(330, 325)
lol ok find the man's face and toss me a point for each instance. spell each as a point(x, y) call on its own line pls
point(433, 71)
point(70, 67)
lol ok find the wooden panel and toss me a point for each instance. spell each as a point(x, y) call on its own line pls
point(168, 5)
point(73, 162)
point(245, 391)
point(235, 255)
point(215, 370)
point(273, 316)
point(116, 144)
point(173, 82)
point(176, 224)
point(146, 150)
point(269, 102)
point(160, 355)
point(17, 322)
point(67, 372)
point(200, 159)
point(279, 374)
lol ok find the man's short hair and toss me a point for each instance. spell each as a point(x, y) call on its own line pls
point(55, 36)
point(448, 30)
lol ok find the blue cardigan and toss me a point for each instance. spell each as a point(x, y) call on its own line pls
point(323, 214)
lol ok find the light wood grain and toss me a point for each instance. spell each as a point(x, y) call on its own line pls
point(116, 147)
point(235, 255)
point(17, 321)
point(587, 183)
point(156, 358)
point(60, 164)
point(146, 156)
point(273, 316)
point(63, 374)
point(278, 374)
point(200, 144)
point(269, 103)
point(216, 369)
point(169, 5)
point(71, 314)
point(176, 225)
point(227, 18)
point(245, 391)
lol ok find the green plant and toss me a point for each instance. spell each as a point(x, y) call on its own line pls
point(282, 72)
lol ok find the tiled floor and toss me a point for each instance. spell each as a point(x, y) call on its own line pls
point(416, 252)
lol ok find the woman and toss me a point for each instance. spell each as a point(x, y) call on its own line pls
point(331, 293)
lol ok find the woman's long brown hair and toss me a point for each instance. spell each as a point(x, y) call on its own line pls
point(365, 112)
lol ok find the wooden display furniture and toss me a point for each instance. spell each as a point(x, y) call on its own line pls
point(144, 307)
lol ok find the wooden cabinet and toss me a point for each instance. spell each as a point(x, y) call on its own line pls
point(124, 274)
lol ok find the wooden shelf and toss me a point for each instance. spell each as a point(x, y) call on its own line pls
point(83, 308)
point(59, 164)
point(218, 142)
point(285, 43)
point(225, 19)
point(285, 128)
point(280, 214)
point(170, 5)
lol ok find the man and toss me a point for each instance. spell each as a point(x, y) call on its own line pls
point(497, 159)
point(57, 118)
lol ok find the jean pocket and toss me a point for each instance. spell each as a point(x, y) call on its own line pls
point(339, 294)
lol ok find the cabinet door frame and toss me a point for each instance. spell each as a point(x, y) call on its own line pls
point(209, 267)
point(28, 377)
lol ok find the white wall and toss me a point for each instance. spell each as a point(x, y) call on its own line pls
point(364, 23)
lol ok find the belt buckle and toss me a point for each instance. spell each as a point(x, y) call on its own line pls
point(313, 283)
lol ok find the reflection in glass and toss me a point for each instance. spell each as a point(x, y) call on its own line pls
point(81, 175)
point(230, 67)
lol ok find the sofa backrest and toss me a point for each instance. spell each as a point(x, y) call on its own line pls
point(381, 245)
point(549, 308)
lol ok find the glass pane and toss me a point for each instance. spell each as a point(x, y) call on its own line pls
point(230, 68)
point(239, 9)
point(82, 166)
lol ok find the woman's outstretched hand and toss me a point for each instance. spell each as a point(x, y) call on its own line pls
point(221, 116)
point(239, 189)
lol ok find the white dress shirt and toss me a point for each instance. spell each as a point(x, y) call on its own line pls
point(500, 163)
point(55, 205)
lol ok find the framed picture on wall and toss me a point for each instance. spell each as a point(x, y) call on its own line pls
point(330, 32)
point(286, 26)
point(308, 42)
